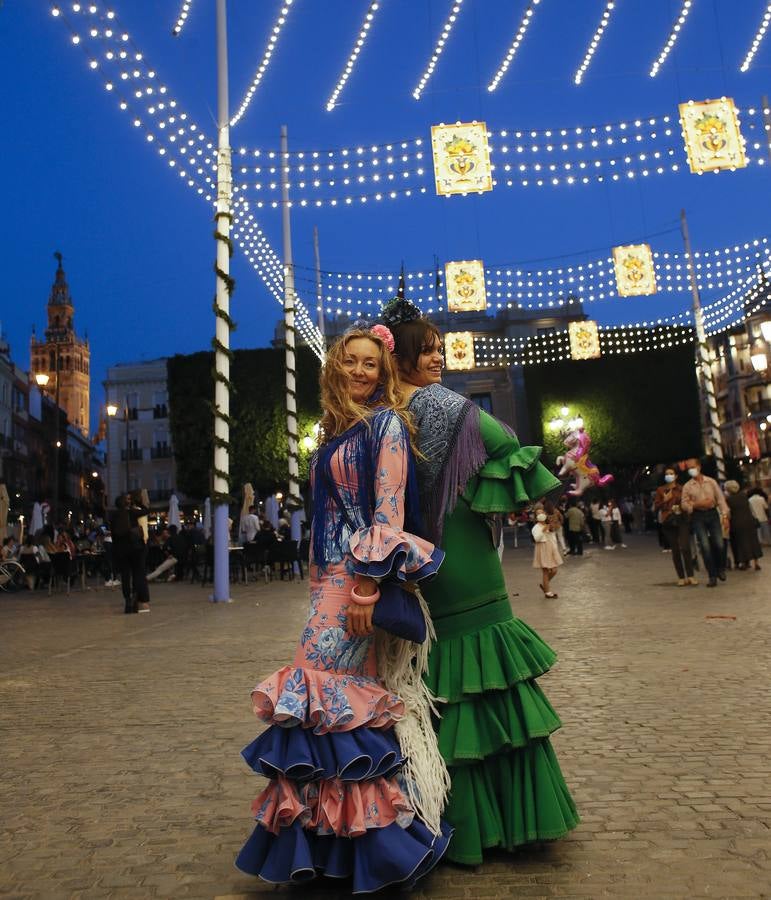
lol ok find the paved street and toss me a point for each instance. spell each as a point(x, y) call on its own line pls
point(120, 737)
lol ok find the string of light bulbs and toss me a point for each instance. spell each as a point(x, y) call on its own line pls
point(186, 147)
point(184, 12)
point(757, 40)
point(551, 140)
point(673, 36)
point(354, 54)
point(438, 49)
point(264, 63)
point(595, 42)
point(527, 18)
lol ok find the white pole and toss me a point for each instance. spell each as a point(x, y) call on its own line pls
point(222, 322)
point(319, 290)
point(293, 499)
point(706, 382)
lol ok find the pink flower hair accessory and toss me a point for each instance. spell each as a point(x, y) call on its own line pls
point(384, 333)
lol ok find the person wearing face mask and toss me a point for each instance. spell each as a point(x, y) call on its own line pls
point(546, 555)
point(507, 787)
point(676, 526)
point(703, 500)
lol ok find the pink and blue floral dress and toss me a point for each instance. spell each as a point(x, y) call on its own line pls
point(336, 803)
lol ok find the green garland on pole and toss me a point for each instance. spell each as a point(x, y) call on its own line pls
point(218, 346)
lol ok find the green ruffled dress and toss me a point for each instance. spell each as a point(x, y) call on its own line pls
point(507, 787)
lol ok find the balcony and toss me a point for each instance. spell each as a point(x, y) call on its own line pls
point(134, 453)
point(160, 451)
point(160, 411)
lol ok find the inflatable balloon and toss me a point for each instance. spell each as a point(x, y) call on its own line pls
point(577, 465)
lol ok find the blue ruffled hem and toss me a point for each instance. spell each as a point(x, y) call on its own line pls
point(381, 857)
point(302, 755)
point(395, 566)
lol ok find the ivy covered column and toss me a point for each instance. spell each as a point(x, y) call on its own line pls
point(223, 324)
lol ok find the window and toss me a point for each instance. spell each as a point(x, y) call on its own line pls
point(483, 401)
point(160, 405)
point(132, 403)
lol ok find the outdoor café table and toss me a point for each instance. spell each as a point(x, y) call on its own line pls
point(236, 560)
point(83, 560)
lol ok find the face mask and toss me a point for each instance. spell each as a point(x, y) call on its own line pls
point(693, 472)
point(670, 478)
point(541, 517)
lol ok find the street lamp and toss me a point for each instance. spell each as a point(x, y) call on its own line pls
point(765, 330)
point(112, 411)
point(42, 379)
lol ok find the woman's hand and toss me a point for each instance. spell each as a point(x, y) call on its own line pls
point(359, 618)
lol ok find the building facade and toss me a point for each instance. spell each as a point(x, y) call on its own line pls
point(743, 395)
point(63, 356)
point(139, 449)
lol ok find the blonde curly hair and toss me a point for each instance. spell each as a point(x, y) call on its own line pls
point(340, 411)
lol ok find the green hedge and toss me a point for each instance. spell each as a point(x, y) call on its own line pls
point(638, 409)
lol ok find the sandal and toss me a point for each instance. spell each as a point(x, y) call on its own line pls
point(551, 595)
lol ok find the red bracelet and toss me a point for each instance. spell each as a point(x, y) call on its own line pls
point(364, 601)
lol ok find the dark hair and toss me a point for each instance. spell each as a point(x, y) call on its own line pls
point(411, 339)
point(120, 501)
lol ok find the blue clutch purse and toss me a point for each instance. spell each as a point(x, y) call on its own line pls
point(398, 612)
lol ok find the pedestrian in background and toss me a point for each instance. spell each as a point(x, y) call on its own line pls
point(556, 522)
point(595, 527)
point(546, 555)
point(676, 526)
point(576, 522)
point(745, 545)
point(759, 505)
point(612, 524)
point(704, 501)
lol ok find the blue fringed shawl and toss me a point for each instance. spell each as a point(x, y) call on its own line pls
point(361, 445)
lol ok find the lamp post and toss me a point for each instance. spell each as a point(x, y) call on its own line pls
point(42, 379)
point(112, 411)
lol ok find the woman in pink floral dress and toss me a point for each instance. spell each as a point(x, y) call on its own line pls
point(341, 800)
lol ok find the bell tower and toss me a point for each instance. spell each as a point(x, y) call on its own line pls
point(63, 356)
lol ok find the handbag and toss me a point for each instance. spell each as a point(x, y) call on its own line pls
point(399, 613)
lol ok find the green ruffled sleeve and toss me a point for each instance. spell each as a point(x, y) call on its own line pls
point(512, 477)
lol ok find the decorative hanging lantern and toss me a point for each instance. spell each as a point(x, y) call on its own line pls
point(459, 350)
point(461, 158)
point(584, 340)
point(465, 286)
point(713, 140)
point(635, 272)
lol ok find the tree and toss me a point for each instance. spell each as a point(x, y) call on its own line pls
point(258, 438)
point(638, 409)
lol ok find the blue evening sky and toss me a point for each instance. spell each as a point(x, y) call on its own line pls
point(77, 177)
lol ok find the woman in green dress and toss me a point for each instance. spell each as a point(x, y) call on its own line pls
point(507, 787)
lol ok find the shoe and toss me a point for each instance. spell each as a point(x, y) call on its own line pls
point(128, 610)
point(172, 577)
point(143, 607)
point(608, 547)
point(624, 546)
point(721, 574)
point(712, 582)
point(692, 580)
point(681, 582)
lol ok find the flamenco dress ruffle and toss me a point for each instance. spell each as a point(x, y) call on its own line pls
point(336, 803)
point(507, 786)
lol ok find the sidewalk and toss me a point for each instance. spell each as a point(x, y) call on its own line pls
point(120, 737)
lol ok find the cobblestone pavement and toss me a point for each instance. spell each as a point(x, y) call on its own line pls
point(120, 737)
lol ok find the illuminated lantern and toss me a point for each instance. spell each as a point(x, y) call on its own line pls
point(459, 350)
point(712, 137)
point(465, 286)
point(635, 272)
point(461, 158)
point(584, 340)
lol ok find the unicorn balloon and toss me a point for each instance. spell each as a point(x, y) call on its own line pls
point(577, 465)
